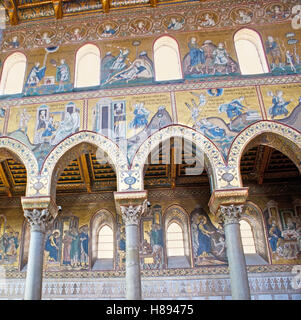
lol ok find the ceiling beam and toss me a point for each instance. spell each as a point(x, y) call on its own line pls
point(58, 8)
point(83, 167)
point(153, 3)
point(12, 8)
point(5, 180)
point(264, 156)
point(105, 6)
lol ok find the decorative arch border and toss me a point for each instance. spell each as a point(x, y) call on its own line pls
point(114, 153)
point(212, 153)
point(250, 133)
point(26, 156)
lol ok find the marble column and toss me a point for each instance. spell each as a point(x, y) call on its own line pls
point(131, 216)
point(230, 215)
point(40, 219)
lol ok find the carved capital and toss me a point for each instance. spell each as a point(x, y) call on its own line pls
point(131, 214)
point(131, 205)
point(231, 214)
point(40, 212)
point(39, 219)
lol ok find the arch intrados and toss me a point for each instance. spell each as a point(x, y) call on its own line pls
point(259, 139)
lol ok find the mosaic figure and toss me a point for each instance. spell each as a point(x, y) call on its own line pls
point(62, 74)
point(35, 75)
point(279, 104)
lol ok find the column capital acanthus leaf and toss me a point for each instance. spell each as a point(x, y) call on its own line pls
point(231, 213)
point(39, 219)
point(131, 214)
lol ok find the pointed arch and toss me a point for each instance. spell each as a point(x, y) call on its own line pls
point(87, 66)
point(13, 74)
point(276, 135)
point(103, 244)
point(78, 143)
point(177, 237)
point(11, 148)
point(167, 60)
point(250, 52)
point(253, 215)
point(212, 156)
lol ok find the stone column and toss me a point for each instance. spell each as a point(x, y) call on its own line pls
point(230, 215)
point(131, 207)
point(40, 213)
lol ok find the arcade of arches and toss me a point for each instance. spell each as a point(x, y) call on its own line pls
point(146, 158)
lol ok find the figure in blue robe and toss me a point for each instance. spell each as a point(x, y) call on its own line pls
point(141, 117)
point(49, 129)
point(211, 130)
point(84, 242)
point(36, 74)
point(233, 108)
point(197, 56)
point(274, 235)
point(204, 248)
point(62, 75)
point(279, 105)
point(51, 246)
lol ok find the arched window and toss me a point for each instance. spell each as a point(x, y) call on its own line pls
point(250, 52)
point(105, 243)
point(167, 59)
point(102, 241)
point(247, 237)
point(13, 74)
point(175, 240)
point(87, 66)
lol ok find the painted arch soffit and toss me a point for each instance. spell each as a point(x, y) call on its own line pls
point(270, 129)
point(211, 153)
point(103, 145)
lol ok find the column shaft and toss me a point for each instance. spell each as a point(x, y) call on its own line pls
point(237, 263)
point(133, 278)
point(34, 275)
point(238, 274)
point(40, 214)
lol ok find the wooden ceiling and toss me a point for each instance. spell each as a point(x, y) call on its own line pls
point(18, 10)
point(261, 164)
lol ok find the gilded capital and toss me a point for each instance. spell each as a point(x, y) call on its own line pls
point(231, 213)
